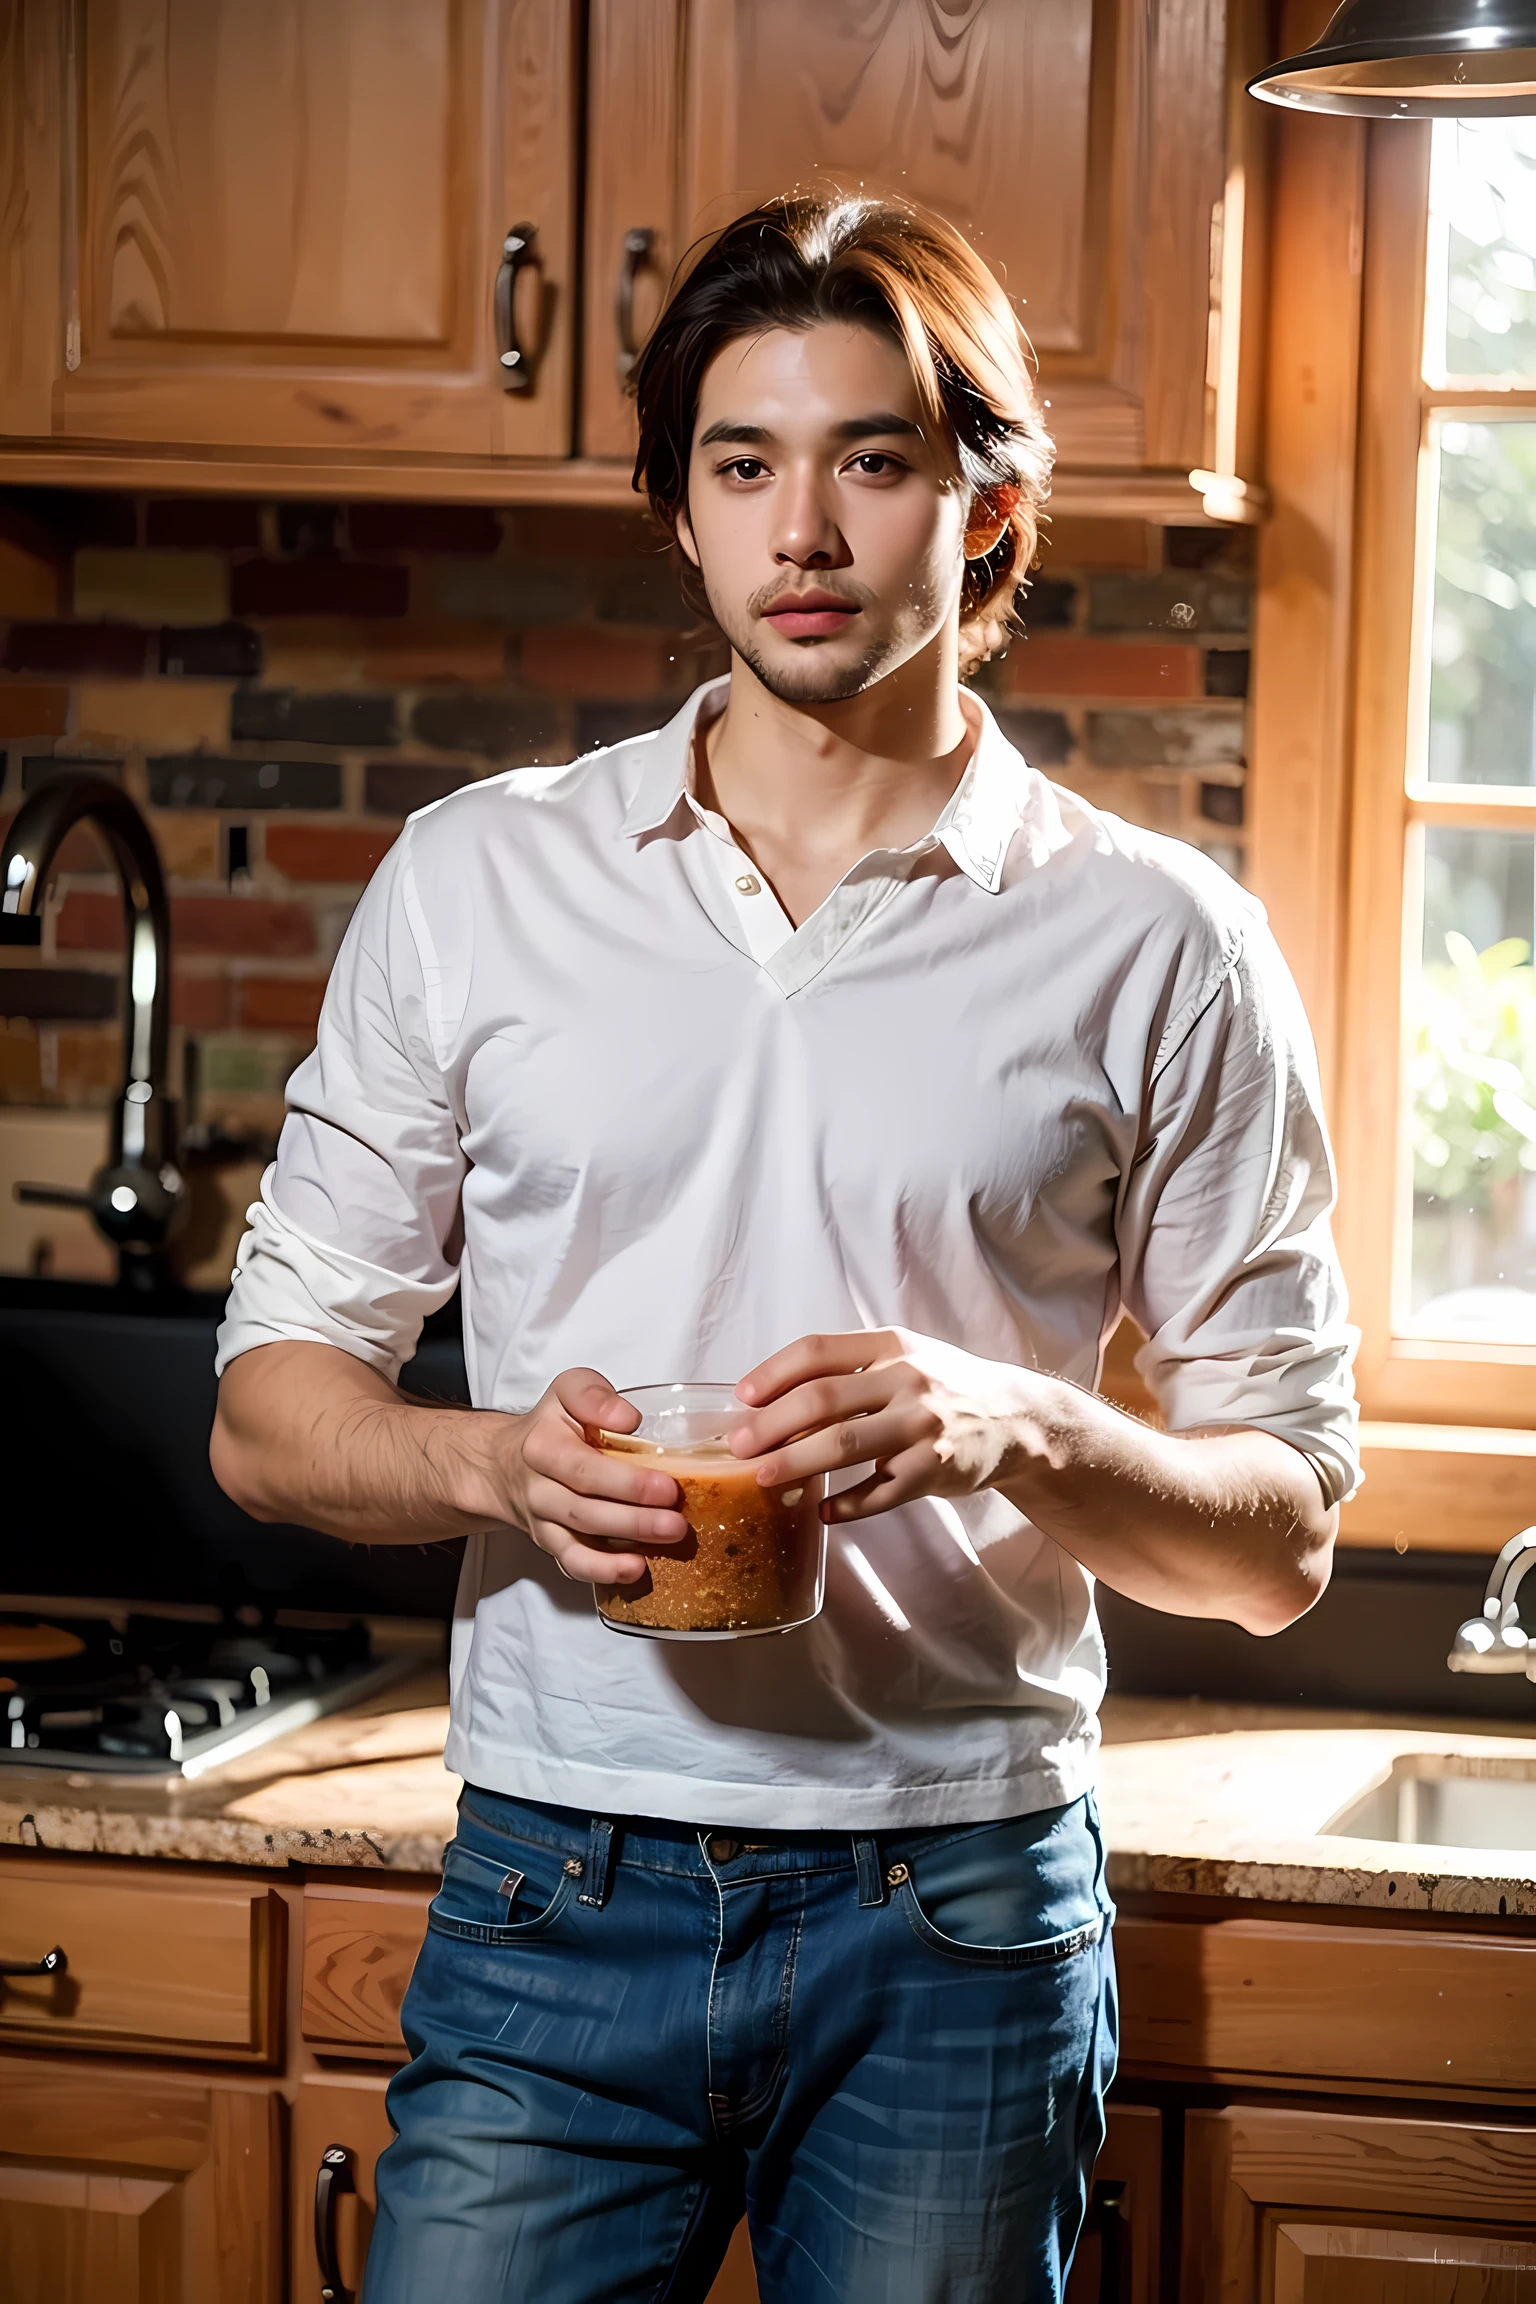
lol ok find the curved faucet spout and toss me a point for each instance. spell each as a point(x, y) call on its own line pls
point(137, 1200)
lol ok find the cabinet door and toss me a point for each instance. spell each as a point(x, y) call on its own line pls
point(1117, 2257)
point(1078, 143)
point(1313, 2207)
point(281, 224)
point(350, 2112)
point(129, 2187)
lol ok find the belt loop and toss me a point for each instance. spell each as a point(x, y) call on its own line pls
point(866, 1856)
point(599, 1856)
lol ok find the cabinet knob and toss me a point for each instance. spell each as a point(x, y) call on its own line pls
point(333, 2177)
point(638, 244)
point(52, 1963)
point(516, 360)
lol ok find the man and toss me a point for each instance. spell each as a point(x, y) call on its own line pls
point(814, 1042)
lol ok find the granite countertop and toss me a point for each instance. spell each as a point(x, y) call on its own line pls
point(1198, 1799)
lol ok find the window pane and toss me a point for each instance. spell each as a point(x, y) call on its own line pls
point(1484, 248)
point(1482, 686)
point(1472, 1088)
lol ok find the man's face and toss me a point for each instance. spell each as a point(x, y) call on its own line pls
point(827, 530)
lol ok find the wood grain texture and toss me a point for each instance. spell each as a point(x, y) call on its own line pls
point(360, 1946)
point(1298, 777)
point(977, 109)
point(121, 2186)
point(1188, 136)
point(1351, 2264)
point(1309, 2001)
point(31, 176)
point(1247, 2172)
point(291, 220)
point(157, 1965)
point(1441, 1488)
point(334, 2109)
point(634, 58)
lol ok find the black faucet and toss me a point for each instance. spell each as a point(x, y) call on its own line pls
point(138, 1198)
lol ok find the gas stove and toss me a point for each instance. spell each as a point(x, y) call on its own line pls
point(116, 1690)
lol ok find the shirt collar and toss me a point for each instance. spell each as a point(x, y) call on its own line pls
point(976, 825)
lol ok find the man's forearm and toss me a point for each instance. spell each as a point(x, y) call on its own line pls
point(1229, 1524)
point(307, 1433)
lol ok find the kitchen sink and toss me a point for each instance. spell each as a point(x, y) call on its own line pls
point(1446, 1800)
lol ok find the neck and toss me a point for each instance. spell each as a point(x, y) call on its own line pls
point(873, 770)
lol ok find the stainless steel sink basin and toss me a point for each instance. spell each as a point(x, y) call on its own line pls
point(1447, 1800)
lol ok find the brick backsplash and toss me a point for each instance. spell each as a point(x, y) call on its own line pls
point(280, 684)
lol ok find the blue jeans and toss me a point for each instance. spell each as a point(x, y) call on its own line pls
point(892, 2054)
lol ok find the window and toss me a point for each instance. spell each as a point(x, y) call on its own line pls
point(1438, 1091)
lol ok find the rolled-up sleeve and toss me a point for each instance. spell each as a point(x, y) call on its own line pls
point(355, 1238)
point(1227, 1258)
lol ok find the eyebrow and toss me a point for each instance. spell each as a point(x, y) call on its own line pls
point(880, 425)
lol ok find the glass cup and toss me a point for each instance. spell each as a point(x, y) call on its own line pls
point(754, 1559)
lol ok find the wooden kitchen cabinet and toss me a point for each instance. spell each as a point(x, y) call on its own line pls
point(1308, 2207)
point(121, 2186)
point(1079, 143)
point(264, 225)
point(258, 244)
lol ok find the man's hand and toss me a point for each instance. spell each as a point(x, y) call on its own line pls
point(1230, 1523)
point(565, 1491)
point(934, 1421)
point(308, 1433)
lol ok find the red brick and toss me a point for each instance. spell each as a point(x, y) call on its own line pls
point(199, 1002)
point(318, 587)
point(593, 532)
point(344, 852)
point(279, 1003)
point(28, 710)
point(412, 658)
point(203, 523)
point(92, 921)
point(620, 666)
point(1067, 664)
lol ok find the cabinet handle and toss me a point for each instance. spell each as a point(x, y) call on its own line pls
point(1106, 2220)
point(52, 1963)
point(516, 364)
point(638, 244)
point(333, 2177)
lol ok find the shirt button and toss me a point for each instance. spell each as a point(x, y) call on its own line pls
point(749, 886)
point(721, 1850)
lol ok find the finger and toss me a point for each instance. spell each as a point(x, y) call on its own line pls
point(561, 1454)
point(825, 1400)
point(584, 1563)
point(591, 1399)
point(592, 1516)
point(891, 1483)
point(809, 1356)
point(857, 1440)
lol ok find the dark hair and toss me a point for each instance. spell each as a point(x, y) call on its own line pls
point(812, 256)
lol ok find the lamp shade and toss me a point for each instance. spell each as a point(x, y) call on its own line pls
point(1413, 60)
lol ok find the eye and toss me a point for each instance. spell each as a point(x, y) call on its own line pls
point(744, 468)
point(875, 464)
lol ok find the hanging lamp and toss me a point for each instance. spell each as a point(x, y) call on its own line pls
point(1413, 60)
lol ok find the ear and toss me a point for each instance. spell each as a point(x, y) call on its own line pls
point(685, 537)
point(991, 511)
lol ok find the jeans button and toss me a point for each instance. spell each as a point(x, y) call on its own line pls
point(721, 1849)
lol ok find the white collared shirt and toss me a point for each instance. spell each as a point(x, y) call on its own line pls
point(1040, 1066)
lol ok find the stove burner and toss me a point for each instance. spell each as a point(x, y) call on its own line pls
point(146, 1694)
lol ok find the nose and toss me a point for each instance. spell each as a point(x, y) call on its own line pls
point(806, 532)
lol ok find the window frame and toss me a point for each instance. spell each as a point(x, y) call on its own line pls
point(1402, 1378)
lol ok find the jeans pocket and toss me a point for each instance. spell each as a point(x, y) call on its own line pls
point(482, 1896)
point(1022, 1894)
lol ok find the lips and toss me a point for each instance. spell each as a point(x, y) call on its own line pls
point(811, 616)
